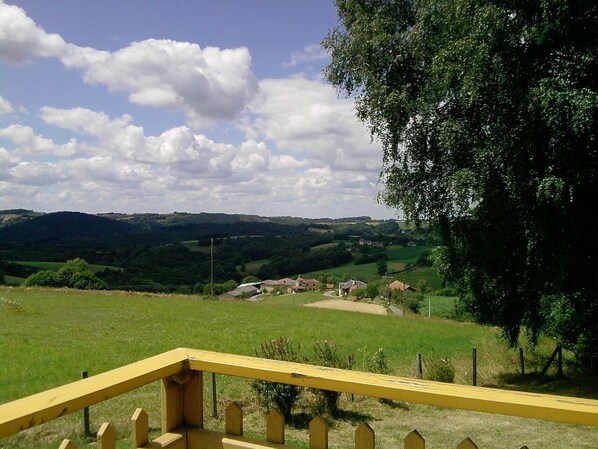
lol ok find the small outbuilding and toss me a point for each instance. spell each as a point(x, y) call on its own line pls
point(399, 286)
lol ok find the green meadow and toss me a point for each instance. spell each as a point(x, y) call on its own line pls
point(48, 336)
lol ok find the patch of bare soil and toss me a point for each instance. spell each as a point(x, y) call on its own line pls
point(352, 306)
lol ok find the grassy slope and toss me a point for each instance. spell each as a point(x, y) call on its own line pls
point(51, 335)
point(48, 336)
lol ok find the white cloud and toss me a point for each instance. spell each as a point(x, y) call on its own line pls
point(6, 108)
point(36, 173)
point(309, 53)
point(208, 84)
point(21, 39)
point(304, 152)
point(304, 116)
point(27, 142)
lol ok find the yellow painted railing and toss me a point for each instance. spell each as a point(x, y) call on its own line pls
point(180, 373)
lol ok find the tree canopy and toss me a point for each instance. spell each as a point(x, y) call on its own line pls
point(74, 273)
point(487, 114)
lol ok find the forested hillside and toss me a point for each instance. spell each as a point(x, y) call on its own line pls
point(152, 252)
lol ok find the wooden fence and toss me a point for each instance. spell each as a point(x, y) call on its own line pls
point(181, 375)
point(233, 437)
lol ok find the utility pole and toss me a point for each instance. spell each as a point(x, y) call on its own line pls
point(212, 267)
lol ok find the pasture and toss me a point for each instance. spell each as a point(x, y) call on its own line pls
point(48, 336)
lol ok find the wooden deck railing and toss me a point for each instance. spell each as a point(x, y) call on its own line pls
point(180, 373)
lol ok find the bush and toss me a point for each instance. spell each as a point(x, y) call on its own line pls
point(446, 291)
point(45, 278)
point(440, 370)
point(375, 363)
point(413, 301)
point(273, 394)
point(73, 274)
point(326, 355)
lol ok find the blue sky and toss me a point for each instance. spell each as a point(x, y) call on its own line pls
point(189, 106)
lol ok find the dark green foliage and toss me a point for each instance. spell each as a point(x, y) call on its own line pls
point(73, 274)
point(171, 253)
point(272, 394)
point(17, 269)
point(376, 362)
point(373, 290)
point(409, 300)
point(44, 278)
point(325, 354)
point(288, 262)
point(439, 370)
point(487, 112)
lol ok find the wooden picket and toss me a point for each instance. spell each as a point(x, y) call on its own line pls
point(106, 437)
point(365, 437)
point(414, 441)
point(233, 436)
point(275, 427)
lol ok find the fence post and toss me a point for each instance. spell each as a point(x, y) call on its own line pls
point(214, 398)
point(419, 365)
point(182, 401)
point(474, 380)
point(86, 431)
point(550, 360)
point(560, 360)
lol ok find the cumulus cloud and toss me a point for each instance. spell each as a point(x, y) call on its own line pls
point(27, 142)
point(303, 153)
point(38, 173)
point(305, 117)
point(21, 39)
point(206, 84)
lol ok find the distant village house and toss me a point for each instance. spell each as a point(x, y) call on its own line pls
point(399, 286)
point(345, 288)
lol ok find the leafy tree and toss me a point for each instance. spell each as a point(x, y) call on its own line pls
point(373, 290)
point(382, 267)
point(250, 278)
point(359, 293)
point(74, 273)
point(487, 113)
point(44, 278)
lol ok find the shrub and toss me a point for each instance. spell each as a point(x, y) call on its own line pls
point(375, 363)
point(413, 301)
point(326, 355)
point(73, 274)
point(273, 394)
point(440, 370)
point(45, 278)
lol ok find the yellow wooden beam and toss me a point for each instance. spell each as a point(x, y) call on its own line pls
point(490, 400)
point(42, 407)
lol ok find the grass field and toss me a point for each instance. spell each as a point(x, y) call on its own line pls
point(48, 336)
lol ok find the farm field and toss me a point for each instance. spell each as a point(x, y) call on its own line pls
point(48, 336)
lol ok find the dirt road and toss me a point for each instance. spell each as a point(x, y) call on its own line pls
point(352, 306)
